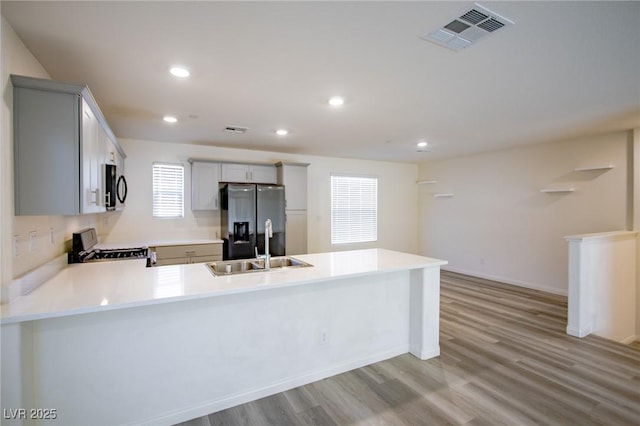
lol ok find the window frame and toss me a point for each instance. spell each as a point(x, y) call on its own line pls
point(364, 209)
point(157, 208)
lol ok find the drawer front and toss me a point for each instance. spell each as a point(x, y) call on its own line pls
point(201, 259)
point(172, 261)
point(187, 260)
point(194, 250)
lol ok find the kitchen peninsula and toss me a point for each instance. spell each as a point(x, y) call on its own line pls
point(127, 344)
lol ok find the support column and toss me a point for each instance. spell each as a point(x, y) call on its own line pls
point(579, 312)
point(424, 324)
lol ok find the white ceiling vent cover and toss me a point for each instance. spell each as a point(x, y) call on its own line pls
point(469, 27)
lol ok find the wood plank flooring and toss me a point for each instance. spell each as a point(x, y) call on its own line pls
point(505, 360)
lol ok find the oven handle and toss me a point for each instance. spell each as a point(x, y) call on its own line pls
point(123, 181)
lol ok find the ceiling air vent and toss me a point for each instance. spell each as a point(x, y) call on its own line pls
point(236, 129)
point(468, 28)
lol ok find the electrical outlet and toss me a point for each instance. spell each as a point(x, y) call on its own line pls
point(33, 241)
point(16, 245)
point(324, 337)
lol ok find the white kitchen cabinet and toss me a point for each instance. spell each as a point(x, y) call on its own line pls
point(247, 173)
point(59, 148)
point(294, 178)
point(96, 149)
point(296, 232)
point(180, 254)
point(204, 185)
point(262, 173)
point(90, 155)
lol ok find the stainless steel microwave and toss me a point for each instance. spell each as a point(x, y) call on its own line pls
point(115, 188)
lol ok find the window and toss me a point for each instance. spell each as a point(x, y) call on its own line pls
point(168, 190)
point(354, 209)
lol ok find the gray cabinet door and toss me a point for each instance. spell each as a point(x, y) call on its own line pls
point(294, 179)
point(247, 173)
point(46, 152)
point(262, 174)
point(204, 186)
point(90, 194)
point(234, 173)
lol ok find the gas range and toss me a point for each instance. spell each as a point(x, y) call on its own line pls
point(84, 248)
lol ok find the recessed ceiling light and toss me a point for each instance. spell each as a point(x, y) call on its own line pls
point(423, 146)
point(282, 132)
point(180, 72)
point(336, 101)
point(170, 119)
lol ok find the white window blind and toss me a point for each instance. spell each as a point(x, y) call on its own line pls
point(354, 209)
point(168, 190)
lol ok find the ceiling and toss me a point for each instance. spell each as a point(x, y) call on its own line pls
point(563, 70)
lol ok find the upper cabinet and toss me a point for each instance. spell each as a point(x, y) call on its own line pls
point(204, 185)
point(247, 173)
point(61, 144)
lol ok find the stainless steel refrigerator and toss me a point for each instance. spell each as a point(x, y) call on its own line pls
point(245, 209)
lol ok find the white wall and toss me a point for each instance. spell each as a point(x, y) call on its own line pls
point(16, 59)
point(498, 225)
point(397, 200)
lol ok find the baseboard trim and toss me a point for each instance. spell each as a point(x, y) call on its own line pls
point(577, 332)
point(630, 339)
point(282, 386)
point(525, 284)
point(425, 354)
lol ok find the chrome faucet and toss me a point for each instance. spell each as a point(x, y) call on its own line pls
point(268, 233)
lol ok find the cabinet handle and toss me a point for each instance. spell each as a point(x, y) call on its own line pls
point(251, 176)
point(190, 253)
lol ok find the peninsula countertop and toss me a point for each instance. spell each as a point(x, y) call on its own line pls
point(102, 286)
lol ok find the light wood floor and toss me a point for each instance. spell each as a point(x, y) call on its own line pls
point(505, 360)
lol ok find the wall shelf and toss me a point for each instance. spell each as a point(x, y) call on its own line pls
point(590, 168)
point(426, 182)
point(556, 190)
point(443, 195)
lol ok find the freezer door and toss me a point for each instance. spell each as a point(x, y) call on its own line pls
point(270, 205)
point(240, 206)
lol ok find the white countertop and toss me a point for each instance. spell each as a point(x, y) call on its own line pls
point(613, 235)
point(101, 286)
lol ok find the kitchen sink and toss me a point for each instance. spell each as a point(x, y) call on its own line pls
point(243, 266)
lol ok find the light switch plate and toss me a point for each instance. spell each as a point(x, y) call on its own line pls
point(33, 241)
point(16, 245)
